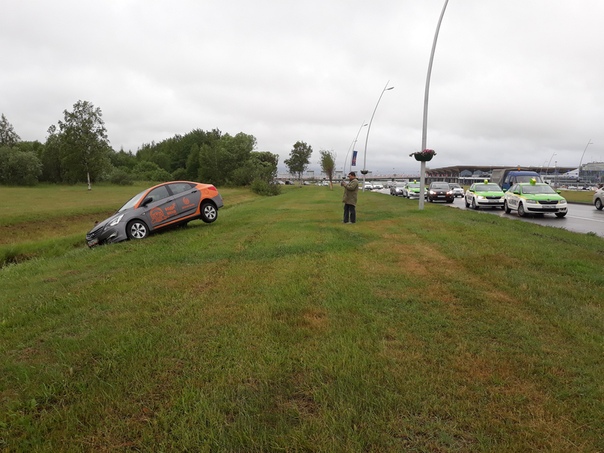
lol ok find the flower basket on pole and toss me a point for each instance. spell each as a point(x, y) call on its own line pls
point(424, 156)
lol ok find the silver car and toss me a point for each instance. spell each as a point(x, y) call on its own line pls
point(158, 207)
point(599, 199)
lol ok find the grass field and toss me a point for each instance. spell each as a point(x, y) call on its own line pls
point(278, 328)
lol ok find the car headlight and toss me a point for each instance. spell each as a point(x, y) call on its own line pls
point(562, 202)
point(480, 197)
point(115, 221)
point(528, 201)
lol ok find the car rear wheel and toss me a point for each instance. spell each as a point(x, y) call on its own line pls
point(521, 211)
point(560, 214)
point(209, 213)
point(506, 208)
point(598, 204)
point(137, 229)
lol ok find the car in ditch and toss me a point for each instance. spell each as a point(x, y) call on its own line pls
point(440, 191)
point(484, 195)
point(534, 198)
point(165, 205)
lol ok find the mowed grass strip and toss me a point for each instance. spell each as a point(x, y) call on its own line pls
point(279, 328)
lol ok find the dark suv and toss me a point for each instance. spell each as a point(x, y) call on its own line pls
point(440, 191)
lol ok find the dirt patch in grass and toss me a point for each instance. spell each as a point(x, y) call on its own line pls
point(47, 229)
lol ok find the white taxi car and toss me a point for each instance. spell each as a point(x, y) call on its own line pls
point(484, 195)
point(534, 198)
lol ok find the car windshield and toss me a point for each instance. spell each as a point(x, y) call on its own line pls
point(487, 188)
point(444, 186)
point(414, 185)
point(455, 186)
point(130, 204)
point(537, 189)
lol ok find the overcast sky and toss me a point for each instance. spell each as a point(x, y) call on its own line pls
point(514, 82)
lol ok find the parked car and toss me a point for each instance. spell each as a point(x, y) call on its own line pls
point(368, 186)
point(599, 199)
point(396, 188)
point(411, 190)
point(457, 189)
point(534, 198)
point(158, 207)
point(440, 191)
point(484, 195)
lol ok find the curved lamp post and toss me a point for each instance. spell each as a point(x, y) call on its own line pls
point(548, 164)
point(582, 155)
point(422, 173)
point(364, 170)
point(352, 147)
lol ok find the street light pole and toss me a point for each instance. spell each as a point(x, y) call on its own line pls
point(581, 161)
point(548, 164)
point(364, 170)
point(422, 175)
point(363, 124)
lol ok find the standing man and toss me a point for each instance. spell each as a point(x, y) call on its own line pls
point(351, 189)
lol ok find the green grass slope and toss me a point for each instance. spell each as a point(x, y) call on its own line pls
point(278, 328)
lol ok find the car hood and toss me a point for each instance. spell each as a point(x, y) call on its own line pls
point(100, 225)
point(543, 197)
point(490, 194)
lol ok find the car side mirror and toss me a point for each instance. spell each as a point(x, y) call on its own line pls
point(147, 201)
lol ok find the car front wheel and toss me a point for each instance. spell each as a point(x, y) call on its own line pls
point(506, 208)
point(598, 204)
point(521, 211)
point(474, 205)
point(209, 213)
point(137, 229)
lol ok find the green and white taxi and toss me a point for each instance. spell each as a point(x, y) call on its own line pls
point(411, 190)
point(484, 195)
point(534, 198)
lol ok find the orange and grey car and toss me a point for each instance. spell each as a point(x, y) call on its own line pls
point(168, 204)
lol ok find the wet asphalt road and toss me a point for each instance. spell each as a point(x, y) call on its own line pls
point(580, 218)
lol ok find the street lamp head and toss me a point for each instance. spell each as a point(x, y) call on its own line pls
point(391, 88)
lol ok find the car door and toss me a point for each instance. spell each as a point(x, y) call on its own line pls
point(155, 205)
point(512, 197)
point(470, 194)
point(186, 198)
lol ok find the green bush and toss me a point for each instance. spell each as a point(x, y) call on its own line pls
point(262, 187)
point(121, 178)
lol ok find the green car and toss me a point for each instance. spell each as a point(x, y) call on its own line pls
point(411, 190)
point(534, 198)
point(484, 195)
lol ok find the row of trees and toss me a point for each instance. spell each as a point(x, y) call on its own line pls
point(77, 150)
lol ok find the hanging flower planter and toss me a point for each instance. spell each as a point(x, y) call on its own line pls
point(424, 156)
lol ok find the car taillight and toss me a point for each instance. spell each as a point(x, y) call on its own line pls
point(213, 188)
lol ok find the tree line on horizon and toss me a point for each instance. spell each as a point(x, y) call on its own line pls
point(77, 150)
